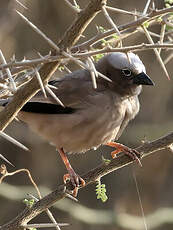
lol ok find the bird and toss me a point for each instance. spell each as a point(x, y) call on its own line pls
point(90, 117)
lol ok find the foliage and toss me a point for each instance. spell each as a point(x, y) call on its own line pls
point(101, 191)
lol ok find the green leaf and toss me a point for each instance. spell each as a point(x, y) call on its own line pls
point(106, 161)
point(101, 191)
point(29, 203)
point(101, 29)
point(146, 24)
point(98, 57)
point(115, 36)
point(61, 68)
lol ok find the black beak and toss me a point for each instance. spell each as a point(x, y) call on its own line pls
point(142, 79)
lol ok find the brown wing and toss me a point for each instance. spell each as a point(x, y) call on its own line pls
point(74, 90)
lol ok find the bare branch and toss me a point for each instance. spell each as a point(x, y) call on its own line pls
point(5, 173)
point(156, 52)
point(123, 160)
point(146, 7)
point(69, 39)
point(30, 226)
point(74, 8)
point(128, 27)
point(162, 35)
point(140, 47)
point(122, 11)
point(13, 85)
point(111, 22)
point(21, 4)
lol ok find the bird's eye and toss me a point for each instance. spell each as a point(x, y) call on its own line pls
point(126, 72)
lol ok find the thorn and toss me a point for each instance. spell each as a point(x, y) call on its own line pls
point(71, 197)
point(11, 139)
point(40, 82)
point(54, 95)
point(5, 159)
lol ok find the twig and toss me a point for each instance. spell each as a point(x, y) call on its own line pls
point(156, 52)
point(70, 37)
point(13, 85)
point(150, 32)
point(93, 72)
point(34, 62)
point(111, 22)
point(6, 173)
point(122, 11)
point(12, 140)
point(168, 58)
point(40, 82)
point(5, 159)
point(31, 63)
point(74, 8)
point(54, 95)
point(52, 44)
point(162, 35)
point(38, 31)
point(140, 47)
point(90, 177)
point(67, 69)
point(146, 7)
point(95, 216)
point(47, 211)
point(21, 4)
point(30, 226)
point(131, 26)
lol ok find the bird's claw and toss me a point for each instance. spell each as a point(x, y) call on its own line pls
point(132, 153)
point(76, 181)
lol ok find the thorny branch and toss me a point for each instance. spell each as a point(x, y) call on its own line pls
point(29, 213)
point(44, 67)
point(70, 37)
point(31, 63)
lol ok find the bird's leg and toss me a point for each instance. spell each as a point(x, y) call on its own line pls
point(75, 179)
point(135, 155)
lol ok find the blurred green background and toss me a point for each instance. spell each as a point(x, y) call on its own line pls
point(154, 120)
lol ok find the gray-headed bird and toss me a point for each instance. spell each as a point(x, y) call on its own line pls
point(91, 117)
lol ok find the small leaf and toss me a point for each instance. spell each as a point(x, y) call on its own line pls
point(98, 57)
point(29, 203)
point(115, 36)
point(146, 24)
point(101, 29)
point(104, 42)
point(101, 191)
point(61, 68)
point(106, 161)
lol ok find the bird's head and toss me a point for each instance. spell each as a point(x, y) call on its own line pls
point(127, 72)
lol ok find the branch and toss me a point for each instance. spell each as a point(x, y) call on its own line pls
point(29, 213)
point(140, 47)
point(128, 27)
point(32, 63)
point(70, 37)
